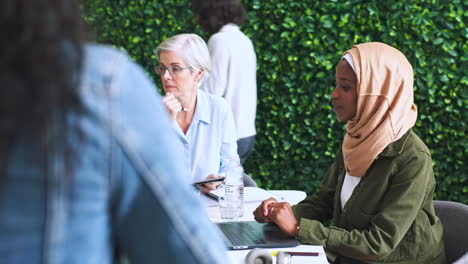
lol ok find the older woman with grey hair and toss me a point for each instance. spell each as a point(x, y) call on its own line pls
point(203, 122)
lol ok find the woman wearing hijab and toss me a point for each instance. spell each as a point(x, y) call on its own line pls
point(378, 192)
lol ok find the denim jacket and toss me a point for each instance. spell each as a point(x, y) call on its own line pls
point(127, 196)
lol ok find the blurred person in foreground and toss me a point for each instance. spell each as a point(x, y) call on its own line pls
point(378, 193)
point(234, 65)
point(203, 121)
point(86, 173)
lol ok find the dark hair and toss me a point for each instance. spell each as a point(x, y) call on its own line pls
point(213, 14)
point(40, 61)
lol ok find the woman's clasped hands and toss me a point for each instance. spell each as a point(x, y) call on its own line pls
point(281, 214)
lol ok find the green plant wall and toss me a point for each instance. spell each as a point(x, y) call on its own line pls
point(298, 44)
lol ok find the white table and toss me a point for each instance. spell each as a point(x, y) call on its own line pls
point(253, 198)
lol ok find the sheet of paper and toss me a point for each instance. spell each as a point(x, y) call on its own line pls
point(252, 194)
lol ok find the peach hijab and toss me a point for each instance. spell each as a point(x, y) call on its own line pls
point(385, 108)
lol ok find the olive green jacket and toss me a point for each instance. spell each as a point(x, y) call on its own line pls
point(389, 217)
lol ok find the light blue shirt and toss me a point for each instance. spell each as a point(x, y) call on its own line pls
point(211, 138)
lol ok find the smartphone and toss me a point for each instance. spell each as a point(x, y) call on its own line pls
point(208, 181)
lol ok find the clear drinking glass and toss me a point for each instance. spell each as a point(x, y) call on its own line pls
point(229, 208)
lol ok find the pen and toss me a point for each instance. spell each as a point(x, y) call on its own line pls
point(292, 253)
point(184, 109)
point(282, 198)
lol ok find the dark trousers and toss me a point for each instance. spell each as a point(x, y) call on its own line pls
point(245, 147)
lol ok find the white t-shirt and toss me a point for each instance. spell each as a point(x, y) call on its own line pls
point(349, 184)
point(233, 76)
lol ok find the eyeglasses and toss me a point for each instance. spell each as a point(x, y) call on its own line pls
point(172, 70)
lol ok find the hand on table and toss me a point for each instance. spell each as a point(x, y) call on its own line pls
point(279, 213)
point(207, 187)
point(261, 212)
point(172, 105)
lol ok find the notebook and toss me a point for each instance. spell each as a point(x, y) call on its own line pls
point(250, 234)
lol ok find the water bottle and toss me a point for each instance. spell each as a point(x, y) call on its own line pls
point(234, 183)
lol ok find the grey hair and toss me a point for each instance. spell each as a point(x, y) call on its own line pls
point(193, 50)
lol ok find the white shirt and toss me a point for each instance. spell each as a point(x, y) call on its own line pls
point(210, 140)
point(347, 189)
point(233, 76)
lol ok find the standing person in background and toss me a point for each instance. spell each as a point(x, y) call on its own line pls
point(87, 167)
point(378, 193)
point(234, 63)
